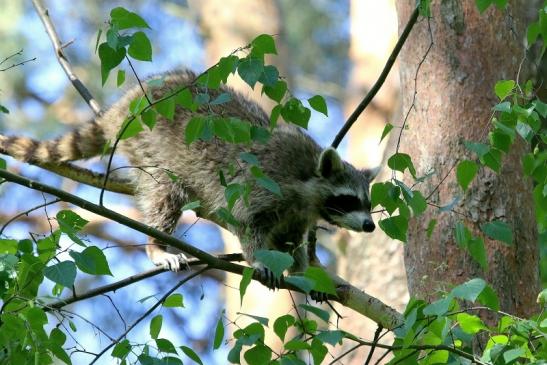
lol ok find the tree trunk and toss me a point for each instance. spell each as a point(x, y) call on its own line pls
point(453, 104)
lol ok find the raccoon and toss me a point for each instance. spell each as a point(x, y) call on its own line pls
point(314, 183)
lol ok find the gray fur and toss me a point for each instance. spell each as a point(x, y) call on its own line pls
point(306, 175)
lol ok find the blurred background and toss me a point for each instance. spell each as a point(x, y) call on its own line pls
point(332, 48)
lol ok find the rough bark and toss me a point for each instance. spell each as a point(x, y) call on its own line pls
point(453, 104)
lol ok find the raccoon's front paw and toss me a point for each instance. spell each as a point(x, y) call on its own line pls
point(170, 261)
point(267, 277)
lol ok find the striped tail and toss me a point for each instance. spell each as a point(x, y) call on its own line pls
point(84, 142)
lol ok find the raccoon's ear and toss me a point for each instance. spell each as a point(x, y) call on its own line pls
point(372, 173)
point(329, 162)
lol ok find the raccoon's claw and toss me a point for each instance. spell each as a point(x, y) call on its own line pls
point(171, 261)
point(267, 278)
point(319, 296)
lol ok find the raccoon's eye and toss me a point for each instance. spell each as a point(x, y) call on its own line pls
point(343, 203)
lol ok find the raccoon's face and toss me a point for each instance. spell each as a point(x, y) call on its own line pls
point(346, 202)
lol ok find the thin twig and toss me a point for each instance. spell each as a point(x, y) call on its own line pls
point(381, 79)
point(147, 313)
point(43, 13)
point(26, 212)
point(128, 281)
point(374, 343)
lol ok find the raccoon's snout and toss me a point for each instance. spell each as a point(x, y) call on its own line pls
point(368, 225)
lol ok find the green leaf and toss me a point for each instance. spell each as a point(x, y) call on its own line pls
point(500, 140)
point(492, 159)
point(260, 134)
point(395, 227)
point(281, 325)
point(479, 148)
point(259, 354)
point(269, 75)
point(166, 108)
point(149, 118)
point(226, 66)
point(91, 261)
point(164, 345)
point(318, 103)
point(499, 231)
point(62, 273)
point(276, 261)
point(219, 334)
point(173, 301)
point(386, 131)
point(466, 172)
point(469, 290)
point(304, 284)
point(124, 19)
point(330, 337)
point(277, 91)
point(226, 216)
point(470, 323)
point(249, 158)
point(265, 182)
point(323, 282)
point(462, 235)
point(185, 99)
point(221, 99)
point(130, 128)
point(438, 307)
point(296, 345)
point(263, 44)
point(478, 252)
point(120, 79)
point(71, 223)
point(489, 298)
point(246, 278)
point(121, 349)
point(430, 227)
point(482, 5)
point(110, 58)
point(194, 129)
point(418, 203)
point(191, 354)
point(504, 88)
point(504, 107)
point(155, 326)
point(294, 112)
point(250, 69)
point(318, 351)
point(513, 354)
point(400, 162)
point(234, 356)
point(322, 314)
point(191, 205)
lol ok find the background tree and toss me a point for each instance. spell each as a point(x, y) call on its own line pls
point(450, 101)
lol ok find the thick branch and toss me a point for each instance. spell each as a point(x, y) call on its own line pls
point(347, 294)
point(52, 33)
point(381, 79)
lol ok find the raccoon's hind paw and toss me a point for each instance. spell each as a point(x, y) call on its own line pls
point(319, 296)
point(267, 277)
point(170, 261)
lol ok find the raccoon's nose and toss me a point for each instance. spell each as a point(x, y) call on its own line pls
point(368, 225)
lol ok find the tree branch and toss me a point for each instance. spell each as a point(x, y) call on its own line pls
point(147, 313)
point(58, 47)
point(347, 294)
point(381, 79)
point(128, 281)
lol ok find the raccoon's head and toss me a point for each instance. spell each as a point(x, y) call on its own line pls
point(345, 199)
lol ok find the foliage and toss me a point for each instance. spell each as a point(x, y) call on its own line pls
point(444, 331)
